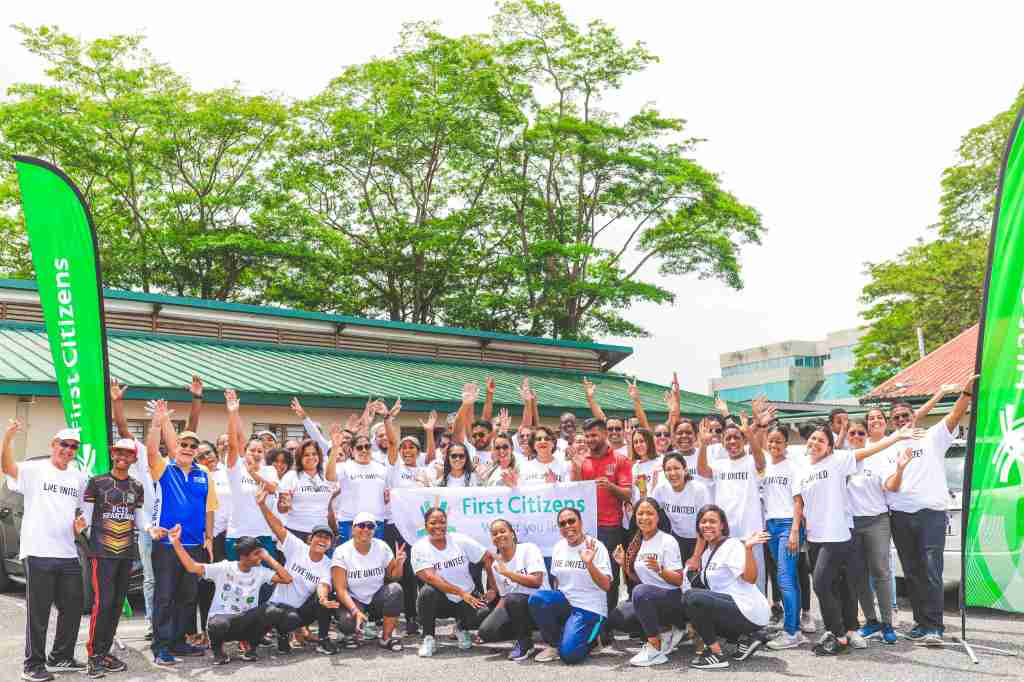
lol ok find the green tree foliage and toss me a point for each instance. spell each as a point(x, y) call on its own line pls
point(936, 285)
point(474, 181)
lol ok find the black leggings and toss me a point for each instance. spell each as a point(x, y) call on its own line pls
point(409, 582)
point(650, 609)
point(803, 574)
point(832, 562)
point(247, 626)
point(206, 587)
point(385, 603)
point(288, 618)
point(432, 603)
point(715, 614)
point(510, 620)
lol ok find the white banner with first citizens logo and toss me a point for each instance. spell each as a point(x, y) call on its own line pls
point(532, 511)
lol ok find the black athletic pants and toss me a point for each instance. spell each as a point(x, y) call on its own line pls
point(51, 582)
point(288, 618)
point(247, 626)
point(432, 603)
point(109, 580)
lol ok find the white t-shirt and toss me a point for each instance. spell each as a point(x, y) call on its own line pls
point(365, 572)
point(924, 483)
point(362, 489)
point(736, 492)
point(51, 498)
point(651, 470)
point(823, 489)
point(778, 487)
point(477, 457)
point(723, 573)
point(682, 507)
point(665, 548)
point(714, 452)
point(310, 496)
point(235, 591)
point(306, 573)
point(865, 487)
point(574, 579)
point(151, 504)
point(222, 516)
point(496, 478)
point(451, 563)
point(402, 476)
point(246, 517)
point(534, 472)
point(459, 481)
point(525, 561)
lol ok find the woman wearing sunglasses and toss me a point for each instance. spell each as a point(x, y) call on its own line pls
point(365, 573)
point(456, 471)
point(361, 482)
point(545, 467)
point(442, 561)
point(653, 563)
point(519, 571)
point(504, 470)
point(570, 615)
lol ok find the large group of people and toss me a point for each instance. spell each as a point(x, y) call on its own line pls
point(253, 543)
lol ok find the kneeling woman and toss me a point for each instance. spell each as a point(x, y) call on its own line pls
point(728, 604)
point(365, 573)
point(570, 616)
point(519, 571)
point(653, 562)
point(441, 560)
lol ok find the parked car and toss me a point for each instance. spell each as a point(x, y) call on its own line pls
point(12, 508)
point(956, 458)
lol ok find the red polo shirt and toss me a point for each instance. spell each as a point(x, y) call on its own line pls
point(617, 470)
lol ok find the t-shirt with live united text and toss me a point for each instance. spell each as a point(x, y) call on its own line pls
point(573, 576)
point(364, 573)
point(451, 563)
point(527, 559)
point(306, 573)
point(52, 497)
point(117, 507)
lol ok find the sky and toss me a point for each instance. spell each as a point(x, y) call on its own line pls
point(835, 120)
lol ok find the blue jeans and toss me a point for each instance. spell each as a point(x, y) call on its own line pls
point(570, 629)
point(920, 540)
point(786, 561)
point(148, 579)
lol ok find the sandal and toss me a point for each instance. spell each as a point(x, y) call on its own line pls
point(392, 644)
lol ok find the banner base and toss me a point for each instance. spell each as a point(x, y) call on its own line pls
point(969, 648)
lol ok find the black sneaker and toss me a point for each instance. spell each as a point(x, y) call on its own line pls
point(745, 647)
point(65, 665)
point(830, 646)
point(36, 675)
point(112, 664)
point(219, 656)
point(709, 661)
point(249, 656)
point(267, 640)
point(95, 669)
point(284, 647)
point(326, 647)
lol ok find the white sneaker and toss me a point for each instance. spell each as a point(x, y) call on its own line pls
point(370, 631)
point(671, 639)
point(546, 655)
point(648, 656)
point(807, 623)
point(427, 647)
point(465, 639)
point(855, 640)
point(784, 640)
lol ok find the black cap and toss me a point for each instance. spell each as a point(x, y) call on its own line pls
point(321, 528)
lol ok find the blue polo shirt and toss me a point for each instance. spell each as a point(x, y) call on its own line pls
point(185, 499)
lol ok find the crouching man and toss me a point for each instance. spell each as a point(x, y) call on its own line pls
point(307, 597)
point(235, 614)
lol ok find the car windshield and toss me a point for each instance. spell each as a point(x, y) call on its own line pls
point(955, 468)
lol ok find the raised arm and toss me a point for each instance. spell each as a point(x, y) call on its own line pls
point(276, 527)
point(310, 426)
point(750, 566)
point(675, 405)
point(907, 432)
point(196, 389)
point(281, 574)
point(10, 467)
point(703, 440)
point(428, 432)
point(117, 390)
point(235, 437)
point(464, 417)
point(488, 413)
point(921, 412)
point(638, 407)
point(590, 389)
point(392, 430)
point(527, 397)
point(961, 404)
point(331, 467)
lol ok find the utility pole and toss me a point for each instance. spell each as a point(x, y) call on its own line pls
point(920, 341)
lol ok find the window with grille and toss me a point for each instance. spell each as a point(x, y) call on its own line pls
point(283, 432)
point(139, 428)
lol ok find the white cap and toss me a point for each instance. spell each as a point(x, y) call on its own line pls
point(364, 517)
point(69, 434)
point(125, 444)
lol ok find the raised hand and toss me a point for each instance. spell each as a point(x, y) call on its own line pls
point(504, 421)
point(619, 555)
point(490, 385)
point(13, 426)
point(160, 411)
point(196, 387)
point(904, 459)
point(379, 407)
point(175, 534)
point(550, 477)
point(704, 435)
point(510, 478)
point(431, 422)
point(589, 551)
point(767, 416)
point(911, 433)
point(395, 409)
point(470, 393)
point(297, 409)
point(400, 553)
point(261, 495)
point(721, 406)
point(756, 538)
point(524, 390)
point(117, 390)
point(231, 400)
point(353, 423)
point(633, 391)
point(589, 387)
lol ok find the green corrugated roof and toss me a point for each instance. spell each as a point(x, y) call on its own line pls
point(161, 366)
point(615, 354)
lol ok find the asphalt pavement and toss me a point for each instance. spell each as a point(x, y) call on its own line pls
point(905, 661)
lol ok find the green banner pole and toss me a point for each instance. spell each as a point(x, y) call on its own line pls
point(993, 523)
point(66, 258)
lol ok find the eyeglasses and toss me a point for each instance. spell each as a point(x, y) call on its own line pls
point(70, 444)
point(501, 447)
point(480, 434)
point(567, 522)
point(661, 434)
point(362, 447)
point(457, 455)
point(716, 430)
point(901, 415)
point(541, 439)
point(858, 433)
point(366, 525)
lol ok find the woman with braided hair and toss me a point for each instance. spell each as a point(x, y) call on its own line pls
point(654, 563)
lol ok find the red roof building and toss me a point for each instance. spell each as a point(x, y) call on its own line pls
point(950, 363)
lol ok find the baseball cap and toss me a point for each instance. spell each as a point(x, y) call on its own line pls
point(124, 444)
point(260, 434)
point(412, 439)
point(321, 528)
point(68, 434)
point(364, 517)
point(188, 434)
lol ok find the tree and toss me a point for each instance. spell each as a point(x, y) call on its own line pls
point(173, 177)
point(937, 284)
